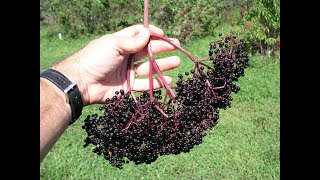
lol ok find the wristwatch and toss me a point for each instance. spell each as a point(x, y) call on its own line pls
point(71, 89)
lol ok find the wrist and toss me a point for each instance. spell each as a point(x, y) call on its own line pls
point(69, 89)
point(60, 107)
point(72, 71)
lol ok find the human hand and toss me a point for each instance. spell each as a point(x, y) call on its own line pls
point(100, 68)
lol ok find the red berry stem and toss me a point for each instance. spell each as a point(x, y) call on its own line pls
point(146, 25)
point(195, 60)
point(161, 111)
point(204, 59)
point(130, 73)
point(164, 82)
point(151, 61)
point(146, 14)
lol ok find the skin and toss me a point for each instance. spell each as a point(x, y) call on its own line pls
point(99, 69)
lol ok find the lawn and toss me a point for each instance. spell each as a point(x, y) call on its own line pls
point(244, 145)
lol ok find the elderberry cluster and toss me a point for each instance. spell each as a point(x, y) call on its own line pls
point(135, 128)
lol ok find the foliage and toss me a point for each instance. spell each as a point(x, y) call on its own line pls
point(186, 19)
point(182, 19)
point(260, 25)
point(226, 9)
point(77, 17)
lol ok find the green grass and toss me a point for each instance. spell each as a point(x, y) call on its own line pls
point(53, 50)
point(244, 145)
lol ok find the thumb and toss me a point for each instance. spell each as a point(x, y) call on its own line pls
point(135, 43)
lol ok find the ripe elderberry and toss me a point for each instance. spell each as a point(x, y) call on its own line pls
point(139, 130)
point(141, 126)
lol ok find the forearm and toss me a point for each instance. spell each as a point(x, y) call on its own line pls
point(55, 115)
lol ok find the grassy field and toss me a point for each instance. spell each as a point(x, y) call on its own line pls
point(244, 145)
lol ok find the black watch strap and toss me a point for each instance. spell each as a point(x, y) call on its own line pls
point(71, 89)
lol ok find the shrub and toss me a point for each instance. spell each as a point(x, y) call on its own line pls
point(80, 17)
point(195, 18)
point(260, 25)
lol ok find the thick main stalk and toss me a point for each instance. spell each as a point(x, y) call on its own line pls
point(146, 25)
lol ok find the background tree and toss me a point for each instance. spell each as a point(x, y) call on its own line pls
point(260, 25)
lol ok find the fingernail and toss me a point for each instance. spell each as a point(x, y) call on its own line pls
point(175, 40)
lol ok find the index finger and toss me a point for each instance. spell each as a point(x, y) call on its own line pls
point(135, 29)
